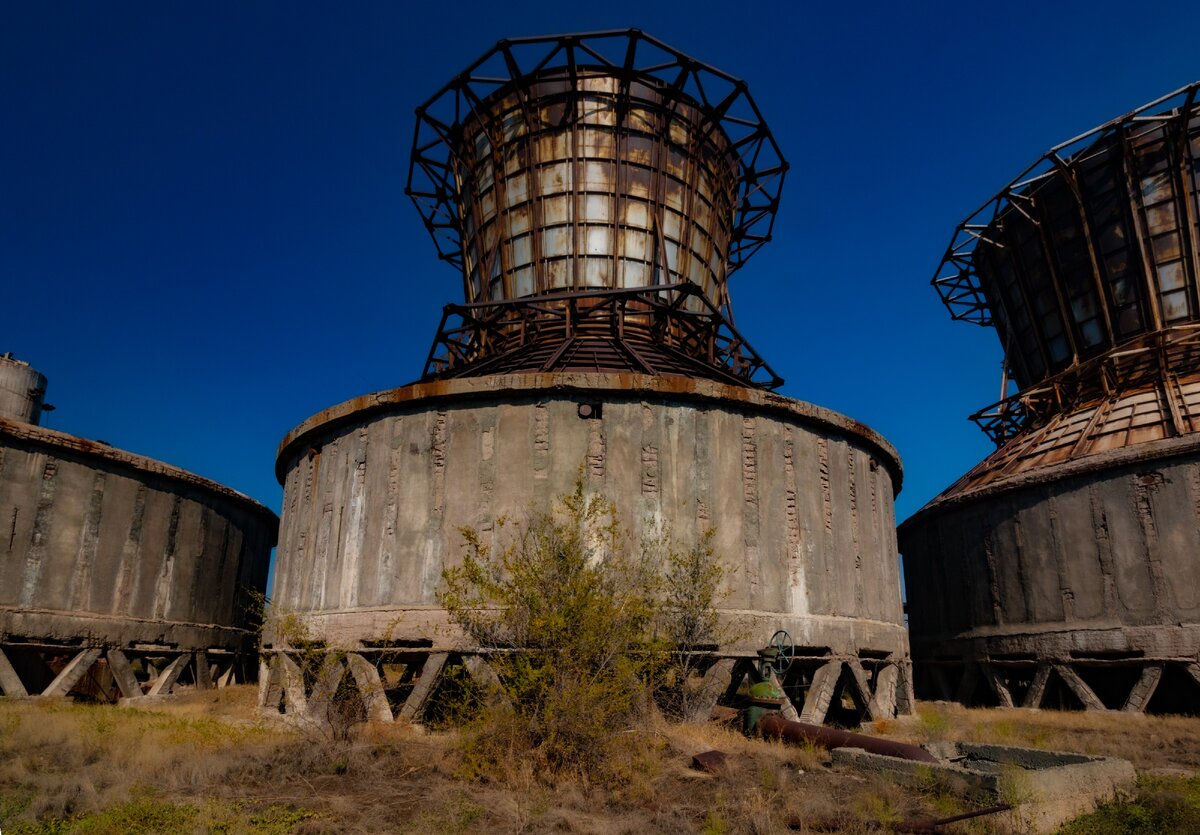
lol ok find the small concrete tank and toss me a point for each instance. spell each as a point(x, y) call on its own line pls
point(1062, 571)
point(596, 211)
point(119, 575)
point(22, 390)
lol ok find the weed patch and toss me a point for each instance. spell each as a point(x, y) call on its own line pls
point(1161, 805)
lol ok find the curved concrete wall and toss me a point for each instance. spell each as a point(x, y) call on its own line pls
point(1096, 560)
point(801, 498)
point(115, 549)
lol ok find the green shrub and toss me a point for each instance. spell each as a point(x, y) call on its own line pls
point(581, 627)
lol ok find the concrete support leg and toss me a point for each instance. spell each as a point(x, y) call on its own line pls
point(883, 703)
point(714, 683)
point(414, 705)
point(370, 685)
point(996, 682)
point(293, 686)
point(227, 678)
point(482, 673)
point(10, 683)
point(967, 684)
point(787, 709)
point(1037, 688)
point(820, 693)
point(905, 695)
point(1141, 693)
point(122, 672)
point(71, 674)
point(862, 684)
point(1079, 687)
point(941, 681)
point(270, 683)
point(1193, 670)
point(170, 674)
point(742, 668)
point(204, 679)
point(326, 686)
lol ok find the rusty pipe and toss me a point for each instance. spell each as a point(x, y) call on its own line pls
point(774, 726)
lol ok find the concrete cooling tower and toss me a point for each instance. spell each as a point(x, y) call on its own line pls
point(1064, 570)
point(596, 193)
point(119, 576)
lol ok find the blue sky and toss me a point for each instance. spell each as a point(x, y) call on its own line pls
point(204, 237)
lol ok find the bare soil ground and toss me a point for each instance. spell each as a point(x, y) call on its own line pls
point(204, 762)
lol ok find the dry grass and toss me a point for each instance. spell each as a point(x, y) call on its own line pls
point(204, 763)
point(1149, 742)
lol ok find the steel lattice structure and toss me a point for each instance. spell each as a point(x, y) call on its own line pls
point(607, 165)
point(1087, 264)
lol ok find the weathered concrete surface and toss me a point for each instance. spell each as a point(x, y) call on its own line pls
point(103, 548)
point(375, 492)
point(21, 391)
point(1045, 788)
point(1083, 566)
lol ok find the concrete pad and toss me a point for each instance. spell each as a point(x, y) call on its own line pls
point(1045, 788)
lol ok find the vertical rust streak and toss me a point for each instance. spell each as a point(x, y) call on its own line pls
point(438, 447)
point(41, 523)
point(162, 590)
point(89, 541)
point(126, 589)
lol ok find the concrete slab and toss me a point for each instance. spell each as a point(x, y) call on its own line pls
point(1045, 788)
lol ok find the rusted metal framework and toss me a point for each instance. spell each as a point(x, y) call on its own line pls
point(646, 330)
point(1087, 265)
point(607, 166)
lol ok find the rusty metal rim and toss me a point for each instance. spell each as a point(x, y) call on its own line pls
point(589, 384)
point(55, 440)
point(1059, 471)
